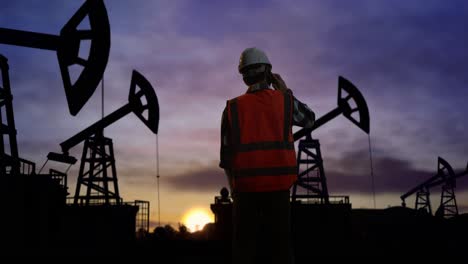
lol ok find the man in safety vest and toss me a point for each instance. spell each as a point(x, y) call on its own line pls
point(258, 156)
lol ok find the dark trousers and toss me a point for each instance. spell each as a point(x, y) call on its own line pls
point(262, 228)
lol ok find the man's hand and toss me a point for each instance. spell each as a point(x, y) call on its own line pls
point(279, 84)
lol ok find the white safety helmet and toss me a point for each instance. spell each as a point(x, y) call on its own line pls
point(252, 56)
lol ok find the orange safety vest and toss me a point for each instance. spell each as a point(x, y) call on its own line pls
point(263, 155)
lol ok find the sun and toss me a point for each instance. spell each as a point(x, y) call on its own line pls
point(196, 219)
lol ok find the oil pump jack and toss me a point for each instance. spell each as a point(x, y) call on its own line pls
point(312, 177)
point(67, 45)
point(446, 177)
point(423, 202)
point(98, 154)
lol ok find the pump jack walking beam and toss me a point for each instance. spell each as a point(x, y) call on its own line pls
point(67, 45)
point(346, 92)
point(454, 177)
point(135, 105)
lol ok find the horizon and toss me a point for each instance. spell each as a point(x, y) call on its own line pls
point(407, 59)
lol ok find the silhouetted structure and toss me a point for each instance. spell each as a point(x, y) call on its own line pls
point(222, 209)
point(337, 229)
point(448, 203)
point(8, 163)
point(423, 201)
point(26, 195)
point(67, 45)
point(447, 178)
point(101, 201)
point(311, 174)
point(42, 197)
point(97, 229)
point(322, 228)
point(60, 178)
point(142, 218)
point(97, 170)
point(98, 173)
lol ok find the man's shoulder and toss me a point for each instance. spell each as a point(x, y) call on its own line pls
point(235, 98)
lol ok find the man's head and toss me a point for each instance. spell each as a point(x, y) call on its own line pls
point(254, 66)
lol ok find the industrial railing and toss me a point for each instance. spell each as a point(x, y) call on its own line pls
point(83, 201)
point(306, 199)
point(26, 167)
point(59, 176)
point(338, 199)
point(142, 218)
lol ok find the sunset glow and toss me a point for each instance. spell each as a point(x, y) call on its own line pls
point(196, 219)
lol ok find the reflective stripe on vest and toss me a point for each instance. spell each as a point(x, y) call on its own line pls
point(261, 136)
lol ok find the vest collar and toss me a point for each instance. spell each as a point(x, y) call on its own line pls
point(258, 87)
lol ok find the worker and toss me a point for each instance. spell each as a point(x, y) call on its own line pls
point(258, 156)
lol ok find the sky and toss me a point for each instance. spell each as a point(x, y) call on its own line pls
point(408, 59)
